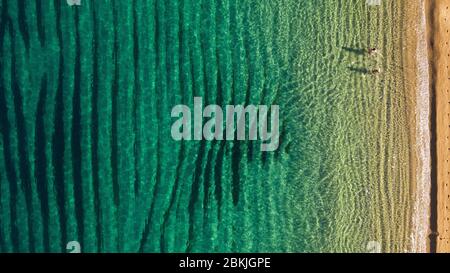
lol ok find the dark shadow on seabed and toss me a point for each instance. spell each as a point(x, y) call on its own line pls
point(354, 50)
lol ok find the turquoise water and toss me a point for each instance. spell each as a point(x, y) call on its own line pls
point(85, 147)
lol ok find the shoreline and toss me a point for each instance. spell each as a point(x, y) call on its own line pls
point(417, 57)
point(439, 31)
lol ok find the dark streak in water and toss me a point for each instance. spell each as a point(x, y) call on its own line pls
point(76, 134)
point(114, 116)
point(173, 198)
point(136, 99)
point(41, 161)
point(195, 191)
point(58, 141)
point(235, 186)
point(24, 165)
point(22, 19)
point(95, 132)
point(40, 26)
point(11, 174)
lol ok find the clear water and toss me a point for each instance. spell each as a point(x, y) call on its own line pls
point(85, 146)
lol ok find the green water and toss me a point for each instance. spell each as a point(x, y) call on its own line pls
point(85, 148)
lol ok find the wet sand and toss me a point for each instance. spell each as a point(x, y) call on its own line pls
point(440, 59)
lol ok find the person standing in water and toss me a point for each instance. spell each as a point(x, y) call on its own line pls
point(375, 71)
point(372, 51)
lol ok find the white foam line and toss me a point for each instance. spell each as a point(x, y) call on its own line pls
point(421, 212)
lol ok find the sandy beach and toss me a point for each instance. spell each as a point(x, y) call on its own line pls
point(440, 59)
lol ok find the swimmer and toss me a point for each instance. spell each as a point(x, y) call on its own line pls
point(375, 71)
point(372, 51)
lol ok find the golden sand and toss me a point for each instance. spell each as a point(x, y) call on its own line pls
point(441, 61)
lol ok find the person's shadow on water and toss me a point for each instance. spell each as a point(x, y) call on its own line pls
point(354, 50)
